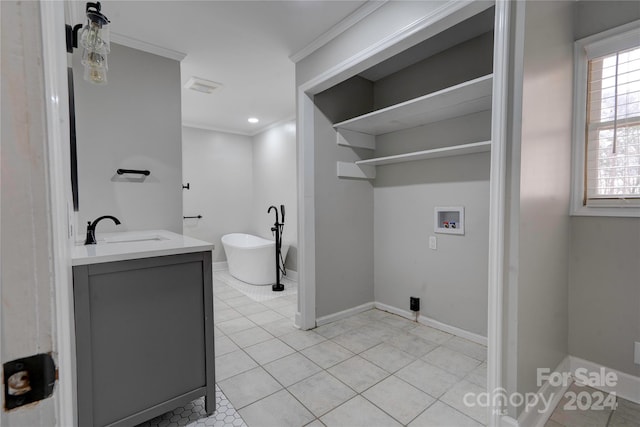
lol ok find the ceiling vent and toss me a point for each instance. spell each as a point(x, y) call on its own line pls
point(202, 85)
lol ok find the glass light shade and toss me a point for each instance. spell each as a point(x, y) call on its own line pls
point(95, 66)
point(95, 75)
point(95, 37)
point(94, 59)
point(95, 42)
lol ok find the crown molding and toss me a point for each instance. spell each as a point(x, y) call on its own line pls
point(363, 59)
point(147, 47)
point(358, 15)
point(214, 129)
point(236, 132)
point(273, 125)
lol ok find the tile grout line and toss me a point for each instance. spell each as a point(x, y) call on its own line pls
point(348, 329)
point(436, 399)
point(303, 379)
point(259, 365)
point(269, 373)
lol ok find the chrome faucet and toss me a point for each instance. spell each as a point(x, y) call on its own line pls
point(91, 228)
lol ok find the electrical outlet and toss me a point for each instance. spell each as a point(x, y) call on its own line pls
point(414, 304)
point(433, 243)
point(636, 354)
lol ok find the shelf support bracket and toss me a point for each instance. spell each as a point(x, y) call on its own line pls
point(349, 138)
point(351, 170)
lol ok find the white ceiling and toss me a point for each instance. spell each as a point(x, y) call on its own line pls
point(244, 45)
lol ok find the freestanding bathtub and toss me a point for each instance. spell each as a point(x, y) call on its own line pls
point(252, 259)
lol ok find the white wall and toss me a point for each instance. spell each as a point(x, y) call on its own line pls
point(234, 179)
point(274, 183)
point(219, 168)
point(134, 122)
point(26, 279)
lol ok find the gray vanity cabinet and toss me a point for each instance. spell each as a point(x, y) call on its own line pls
point(144, 337)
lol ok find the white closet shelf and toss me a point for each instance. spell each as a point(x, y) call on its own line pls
point(456, 101)
point(366, 169)
point(454, 150)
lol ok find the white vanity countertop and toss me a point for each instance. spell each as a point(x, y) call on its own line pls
point(126, 245)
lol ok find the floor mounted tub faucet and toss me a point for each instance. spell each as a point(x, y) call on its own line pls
point(277, 230)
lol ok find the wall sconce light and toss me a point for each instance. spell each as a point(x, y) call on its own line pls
point(95, 43)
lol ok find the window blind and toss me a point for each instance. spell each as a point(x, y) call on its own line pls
point(612, 164)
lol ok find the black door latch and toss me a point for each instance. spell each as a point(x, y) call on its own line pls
point(28, 380)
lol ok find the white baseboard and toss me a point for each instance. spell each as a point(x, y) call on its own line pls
point(507, 421)
point(427, 321)
point(292, 274)
point(344, 314)
point(391, 309)
point(539, 415)
point(627, 387)
point(476, 338)
point(479, 339)
point(297, 319)
point(219, 266)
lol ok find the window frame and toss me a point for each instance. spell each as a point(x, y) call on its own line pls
point(598, 44)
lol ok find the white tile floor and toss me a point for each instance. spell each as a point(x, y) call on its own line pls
point(626, 414)
point(373, 369)
point(193, 414)
point(257, 293)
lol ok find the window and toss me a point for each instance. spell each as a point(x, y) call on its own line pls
point(606, 176)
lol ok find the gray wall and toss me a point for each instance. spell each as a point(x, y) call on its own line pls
point(27, 287)
point(452, 280)
point(274, 183)
point(218, 166)
point(346, 100)
point(592, 17)
point(403, 199)
point(538, 222)
point(604, 297)
point(133, 122)
point(379, 25)
point(465, 61)
point(344, 227)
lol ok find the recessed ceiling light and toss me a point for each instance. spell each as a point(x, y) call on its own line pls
point(253, 120)
point(202, 85)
